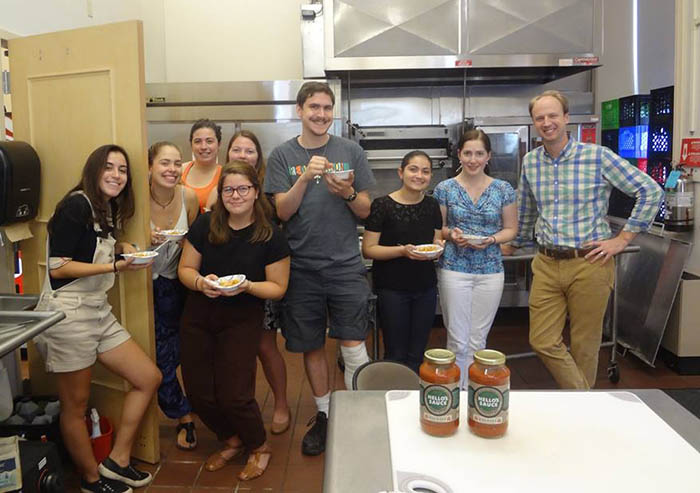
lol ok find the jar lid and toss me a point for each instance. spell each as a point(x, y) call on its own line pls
point(439, 356)
point(490, 357)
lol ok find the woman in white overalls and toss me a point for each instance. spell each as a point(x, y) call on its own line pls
point(81, 268)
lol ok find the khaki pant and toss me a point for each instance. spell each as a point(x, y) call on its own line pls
point(581, 290)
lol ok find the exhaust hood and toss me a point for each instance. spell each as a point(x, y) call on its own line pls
point(477, 41)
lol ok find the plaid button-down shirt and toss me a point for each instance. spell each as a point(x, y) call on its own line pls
point(566, 199)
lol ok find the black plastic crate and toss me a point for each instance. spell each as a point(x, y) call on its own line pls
point(609, 139)
point(661, 107)
point(634, 110)
point(660, 140)
point(659, 170)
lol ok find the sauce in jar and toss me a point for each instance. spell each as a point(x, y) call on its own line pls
point(489, 392)
point(439, 393)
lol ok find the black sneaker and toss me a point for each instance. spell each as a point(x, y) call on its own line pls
point(104, 485)
point(314, 442)
point(129, 474)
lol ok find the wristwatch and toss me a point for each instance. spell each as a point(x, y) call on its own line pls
point(351, 197)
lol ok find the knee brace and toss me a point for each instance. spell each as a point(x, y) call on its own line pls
point(353, 357)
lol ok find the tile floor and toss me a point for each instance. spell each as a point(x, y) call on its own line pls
point(291, 472)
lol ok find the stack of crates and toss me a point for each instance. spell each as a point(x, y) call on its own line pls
point(634, 126)
point(660, 139)
point(625, 128)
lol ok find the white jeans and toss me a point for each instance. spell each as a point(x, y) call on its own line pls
point(469, 303)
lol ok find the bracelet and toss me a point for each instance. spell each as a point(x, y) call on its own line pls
point(195, 282)
point(114, 266)
point(494, 239)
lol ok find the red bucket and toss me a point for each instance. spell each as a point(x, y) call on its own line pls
point(102, 445)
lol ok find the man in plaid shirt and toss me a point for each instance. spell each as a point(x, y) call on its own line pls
point(563, 196)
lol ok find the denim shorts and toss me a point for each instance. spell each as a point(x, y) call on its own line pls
point(320, 299)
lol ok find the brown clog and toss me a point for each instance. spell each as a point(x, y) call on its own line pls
point(252, 468)
point(216, 460)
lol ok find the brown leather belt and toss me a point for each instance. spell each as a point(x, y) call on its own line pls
point(564, 253)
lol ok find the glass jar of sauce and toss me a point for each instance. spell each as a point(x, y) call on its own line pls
point(439, 393)
point(489, 391)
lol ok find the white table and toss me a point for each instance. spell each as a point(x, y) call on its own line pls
point(358, 450)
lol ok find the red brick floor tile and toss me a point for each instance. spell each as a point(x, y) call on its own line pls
point(177, 474)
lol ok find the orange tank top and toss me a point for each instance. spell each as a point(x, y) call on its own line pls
point(201, 192)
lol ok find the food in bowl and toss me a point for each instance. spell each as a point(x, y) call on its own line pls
point(474, 239)
point(143, 254)
point(173, 234)
point(141, 257)
point(227, 283)
point(429, 250)
point(342, 174)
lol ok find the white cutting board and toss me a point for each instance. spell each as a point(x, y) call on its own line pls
point(556, 442)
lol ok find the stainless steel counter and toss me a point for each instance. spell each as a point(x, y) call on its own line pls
point(357, 449)
point(18, 325)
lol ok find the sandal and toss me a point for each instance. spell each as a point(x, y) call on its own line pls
point(252, 468)
point(190, 436)
point(217, 460)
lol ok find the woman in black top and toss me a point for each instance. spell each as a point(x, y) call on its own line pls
point(81, 268)
point(404, 280)
point(221, 330)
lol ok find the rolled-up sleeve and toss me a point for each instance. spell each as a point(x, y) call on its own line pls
point(635, 183)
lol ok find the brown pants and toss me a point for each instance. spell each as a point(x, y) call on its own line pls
point(582, 290)
point(219, 347)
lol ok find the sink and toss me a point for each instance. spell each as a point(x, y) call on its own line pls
point(17, 302)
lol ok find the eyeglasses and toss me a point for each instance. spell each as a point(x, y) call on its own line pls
point(241, 189)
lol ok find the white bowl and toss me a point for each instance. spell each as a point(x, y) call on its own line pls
point(474, 239)
point(141, 257)
point(173, 234)
point(223, 283)
point(429, 250)
point(342, 174)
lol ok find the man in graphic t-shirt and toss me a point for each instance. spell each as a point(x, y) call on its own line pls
point(319, 211)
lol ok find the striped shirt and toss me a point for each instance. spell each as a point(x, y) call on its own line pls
point(565, 199)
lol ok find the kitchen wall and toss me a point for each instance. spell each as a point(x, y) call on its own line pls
point(655, 48)
point(184, 41)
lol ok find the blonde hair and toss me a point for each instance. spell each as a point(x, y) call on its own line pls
point(553, 94)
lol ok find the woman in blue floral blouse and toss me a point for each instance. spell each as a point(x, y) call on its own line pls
point(478, 213)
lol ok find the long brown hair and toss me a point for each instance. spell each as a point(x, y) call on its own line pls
point(260, 164)
point(219, 230)
point(117, 210)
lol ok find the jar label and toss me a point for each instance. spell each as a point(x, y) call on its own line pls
point(488, 404)
point(439, 403)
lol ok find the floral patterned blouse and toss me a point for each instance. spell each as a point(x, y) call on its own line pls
point(483, 218)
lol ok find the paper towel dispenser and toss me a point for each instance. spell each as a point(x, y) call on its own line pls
point(20, 176)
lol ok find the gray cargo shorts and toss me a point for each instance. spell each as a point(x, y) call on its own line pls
point(320, 299)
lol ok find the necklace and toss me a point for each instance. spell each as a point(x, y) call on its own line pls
point(323, 155)
point(164, 206)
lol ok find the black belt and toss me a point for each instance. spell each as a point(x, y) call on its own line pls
point(564, 253)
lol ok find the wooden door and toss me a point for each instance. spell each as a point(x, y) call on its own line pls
point(73, 91)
